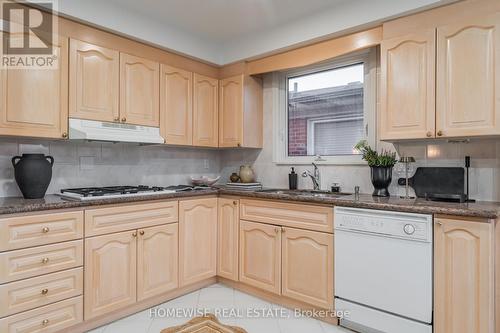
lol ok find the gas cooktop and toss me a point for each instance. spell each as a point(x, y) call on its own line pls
point(108, 192)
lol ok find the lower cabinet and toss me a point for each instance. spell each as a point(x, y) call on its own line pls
point(260, 256)
point(464, 275)
point(307, 266)
point(197, 240)
point(227, 238)
point(125, 267)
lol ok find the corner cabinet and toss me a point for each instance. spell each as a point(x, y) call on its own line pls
point(34, 102)
point(464, 276)
point(240, 112)
point(468, 78)
point(205, 111)
point(197, 240)
point(176, 110)
point(139, 91)
point(227, 238)
point(407, 87)
point(94, 82)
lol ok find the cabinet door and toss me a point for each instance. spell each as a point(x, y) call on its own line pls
point(34, 102)
point(228, 234)
point(93, 82)
point(157, 260)
point(110, 273)
point(139, 91)
point(176, 105)
point(197, 240)
point(231, 112)
point(260, 256)
point(463, 277)
point(307, 266)
point(407, 87)
point(205, 111)
point(468, 78)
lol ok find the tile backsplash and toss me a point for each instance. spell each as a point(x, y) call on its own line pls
point(79, 164)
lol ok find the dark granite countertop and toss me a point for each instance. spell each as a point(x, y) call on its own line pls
point(489, 210)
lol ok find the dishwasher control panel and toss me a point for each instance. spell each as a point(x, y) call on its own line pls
point(416, 227)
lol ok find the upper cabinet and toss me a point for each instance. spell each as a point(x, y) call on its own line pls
point(139, 91)
point(34, 102)
point(176, 111)
point(468, 78)
point(93, 82)
point(240, 112)
point(407, 89)
point(205, 111)
point(463, 82)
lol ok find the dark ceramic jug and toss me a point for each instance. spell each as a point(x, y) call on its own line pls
point(33, 173)
point(381, 179)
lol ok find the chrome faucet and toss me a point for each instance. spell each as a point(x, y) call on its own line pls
point(314, 177)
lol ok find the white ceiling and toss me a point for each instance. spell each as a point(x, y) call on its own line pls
point(224, 31)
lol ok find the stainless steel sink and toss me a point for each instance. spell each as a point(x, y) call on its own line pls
point(309, 193)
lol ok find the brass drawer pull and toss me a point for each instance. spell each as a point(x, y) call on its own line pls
point(45, 260)
point(65, 135)
point(141, 232)
point(124, 119)
point(134, 234)
point(235, 202)
point(45, 230)
point(45, 322)
point(45, 291)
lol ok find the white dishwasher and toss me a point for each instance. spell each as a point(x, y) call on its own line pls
point(383, 270)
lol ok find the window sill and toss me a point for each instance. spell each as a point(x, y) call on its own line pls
point(305, 160)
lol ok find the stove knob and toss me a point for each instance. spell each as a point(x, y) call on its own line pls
point(409, 229)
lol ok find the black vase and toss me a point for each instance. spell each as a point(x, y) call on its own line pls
point(33, 173)
point(381, 179)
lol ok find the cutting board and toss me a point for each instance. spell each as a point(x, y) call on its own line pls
point(436, 180)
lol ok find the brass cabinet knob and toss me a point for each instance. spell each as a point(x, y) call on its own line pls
point(134, 234)
point(124, 119)
point(65, 135)
point(45, 230)
point(235, 202)
point(45, 322)
point(440, 133)
point(116, 119)
point(429, 134)
point(45, 291)
point(45, 260)
point(141, 232)
point(238, 144)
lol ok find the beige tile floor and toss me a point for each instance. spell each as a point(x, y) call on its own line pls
point(216, 298)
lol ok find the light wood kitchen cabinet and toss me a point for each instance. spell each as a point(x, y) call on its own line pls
point(307, 266)
point(260, 256)
point(34, 102)
point(407, 87)
point(110, 273)
point(157, 260)
point(240, 112)
point(176, 107)
point(468, 77)
point(197, 240)
point(139, 91)
point(205, 111)
point(227, 240)
point(464, 276)
point(94, 82)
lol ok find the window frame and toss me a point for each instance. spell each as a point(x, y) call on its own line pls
point(280, 108)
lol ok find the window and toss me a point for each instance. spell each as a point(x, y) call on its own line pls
point(325, 110)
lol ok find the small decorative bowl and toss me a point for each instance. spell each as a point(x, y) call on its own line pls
point(204, 180)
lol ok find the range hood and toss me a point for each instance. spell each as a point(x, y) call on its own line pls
point(92, 130)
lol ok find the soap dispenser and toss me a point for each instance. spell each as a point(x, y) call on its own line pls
point(292, 180)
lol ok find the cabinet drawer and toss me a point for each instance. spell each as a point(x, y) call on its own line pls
point(32, 230)
point(31, 293)
point(302, 216)
point(119, 218)
point(26, 263)
point(47, 319)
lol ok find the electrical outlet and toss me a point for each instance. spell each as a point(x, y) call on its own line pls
point(206, 164)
